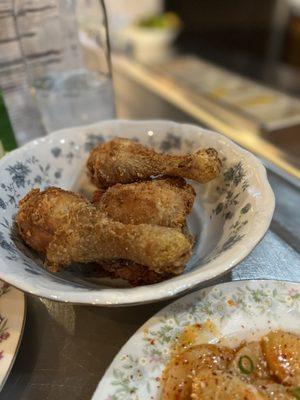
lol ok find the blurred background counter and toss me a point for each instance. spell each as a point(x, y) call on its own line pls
point(278, 144)
point(234, 68)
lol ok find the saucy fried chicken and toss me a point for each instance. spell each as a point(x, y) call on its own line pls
point(67, 228)
point(164, 202)
point(125, 161)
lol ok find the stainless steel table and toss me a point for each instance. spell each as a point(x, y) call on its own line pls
point(66, 349)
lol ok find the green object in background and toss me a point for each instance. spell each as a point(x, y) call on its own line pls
point(7, 138)
point(166, 20)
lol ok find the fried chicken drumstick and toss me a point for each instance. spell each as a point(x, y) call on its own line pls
point(125, 161)
point(68, 228)
point(164, 202)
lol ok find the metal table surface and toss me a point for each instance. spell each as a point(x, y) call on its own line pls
point(66, 348)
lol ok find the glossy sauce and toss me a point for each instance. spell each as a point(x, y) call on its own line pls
point(262, 370)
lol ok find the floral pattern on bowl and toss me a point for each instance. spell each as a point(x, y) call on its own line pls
point(229, 217)
point(239, 311)
point(12, 318)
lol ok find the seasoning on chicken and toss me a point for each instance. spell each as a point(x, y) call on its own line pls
point(164, 202)
point(67, 228)
point(125, 161)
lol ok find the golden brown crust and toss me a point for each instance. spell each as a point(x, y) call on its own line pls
point(161, 249)
point(164, 202)
point(125, 161)
point(40, 213)
point(72, 229)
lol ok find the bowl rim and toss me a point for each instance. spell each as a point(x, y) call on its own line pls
point(180, 284)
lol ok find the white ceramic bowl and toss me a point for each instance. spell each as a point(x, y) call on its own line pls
point(230, 215)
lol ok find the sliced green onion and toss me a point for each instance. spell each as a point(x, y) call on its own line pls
point(246, 365)
point(296, 392)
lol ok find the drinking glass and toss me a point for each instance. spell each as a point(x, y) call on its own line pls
point(65, 48)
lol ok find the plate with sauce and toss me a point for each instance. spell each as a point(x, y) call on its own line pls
point(12, 321)
point(239, 339)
